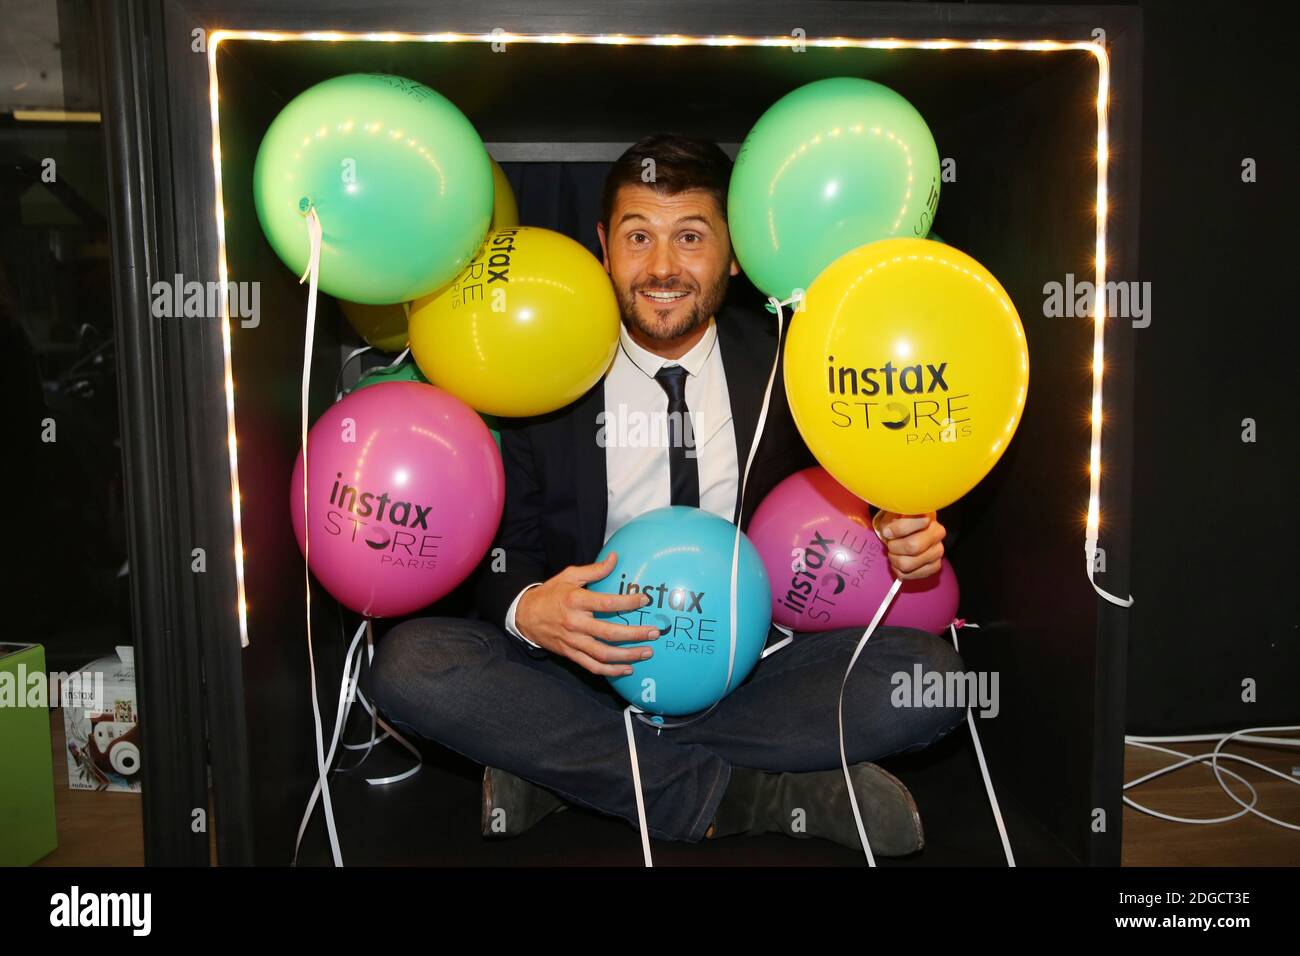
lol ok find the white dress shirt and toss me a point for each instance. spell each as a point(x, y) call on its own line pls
point(636, 436)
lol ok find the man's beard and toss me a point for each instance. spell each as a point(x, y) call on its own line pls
point(707, 302)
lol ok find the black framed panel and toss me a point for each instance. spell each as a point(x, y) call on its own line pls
point(257, 723)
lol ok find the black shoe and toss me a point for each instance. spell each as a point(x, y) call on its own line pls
point(511, 804)
point(816, 804)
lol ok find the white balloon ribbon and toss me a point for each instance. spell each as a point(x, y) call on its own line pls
point(312, 276)
point(346, 689)
point(774, 305)
point(636, 785)
point(1090, 554)
point(844, 762)
point(348, 692)
point(984, 767)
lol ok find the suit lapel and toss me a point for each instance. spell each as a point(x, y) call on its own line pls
point(589, 471)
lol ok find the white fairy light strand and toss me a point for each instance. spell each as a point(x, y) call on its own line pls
point(218, 36)
point(1097, 50)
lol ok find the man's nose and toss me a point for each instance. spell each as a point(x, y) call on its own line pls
point(663, 264)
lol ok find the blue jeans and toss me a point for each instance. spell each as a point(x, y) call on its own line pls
point(473, 688)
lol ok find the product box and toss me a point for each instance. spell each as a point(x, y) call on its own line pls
point(102, 724)
point(27, 830)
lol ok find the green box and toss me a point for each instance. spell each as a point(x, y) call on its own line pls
point(27, 829)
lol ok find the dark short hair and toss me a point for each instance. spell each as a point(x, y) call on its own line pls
point(680, 163)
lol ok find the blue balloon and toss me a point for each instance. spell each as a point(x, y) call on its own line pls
point(681, 557)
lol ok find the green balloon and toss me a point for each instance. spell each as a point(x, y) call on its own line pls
point(397, 175)
point(829, 167)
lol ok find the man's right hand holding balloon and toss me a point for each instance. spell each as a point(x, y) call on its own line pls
point(559, 615)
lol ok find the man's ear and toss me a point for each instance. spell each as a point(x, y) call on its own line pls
point(604, 249)
point(735, 264)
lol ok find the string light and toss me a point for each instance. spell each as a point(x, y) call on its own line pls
point(217, 37)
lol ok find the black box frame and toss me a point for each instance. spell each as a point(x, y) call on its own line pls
point(197, 683)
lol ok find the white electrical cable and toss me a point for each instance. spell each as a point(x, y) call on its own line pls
point(1218, 752)
point(1192, 738)
point(1249, 736)
point(1190, 759)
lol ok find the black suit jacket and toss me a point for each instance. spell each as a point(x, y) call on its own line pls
point(556, 494)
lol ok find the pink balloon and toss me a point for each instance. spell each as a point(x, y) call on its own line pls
point(405, 493)
point(846, 569)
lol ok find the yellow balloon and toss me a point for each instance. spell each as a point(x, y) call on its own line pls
point(528, 327)
point(907, 372)
point(381, 326)
point(505, 211)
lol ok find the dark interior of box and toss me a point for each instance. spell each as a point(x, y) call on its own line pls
point(1021, 128)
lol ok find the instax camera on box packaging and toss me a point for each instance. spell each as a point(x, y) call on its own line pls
point(101, 721)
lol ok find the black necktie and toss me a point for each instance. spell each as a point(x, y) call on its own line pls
point(683, 470)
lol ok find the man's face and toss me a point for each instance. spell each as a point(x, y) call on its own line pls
point(669, 259)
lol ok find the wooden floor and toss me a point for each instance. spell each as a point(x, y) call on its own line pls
point(104, 829)
point(1194, 792)
point(96, 828)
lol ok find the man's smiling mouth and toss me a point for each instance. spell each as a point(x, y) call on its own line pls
point(664, 298)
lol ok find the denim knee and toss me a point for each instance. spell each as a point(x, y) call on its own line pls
point(411, 658)
point(936, 654)
point(933, 655)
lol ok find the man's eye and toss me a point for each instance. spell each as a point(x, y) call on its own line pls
point(690, 237)
point(637, 237)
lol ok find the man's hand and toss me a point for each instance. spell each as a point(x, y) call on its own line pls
point(914, 543)
point(558, 615)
